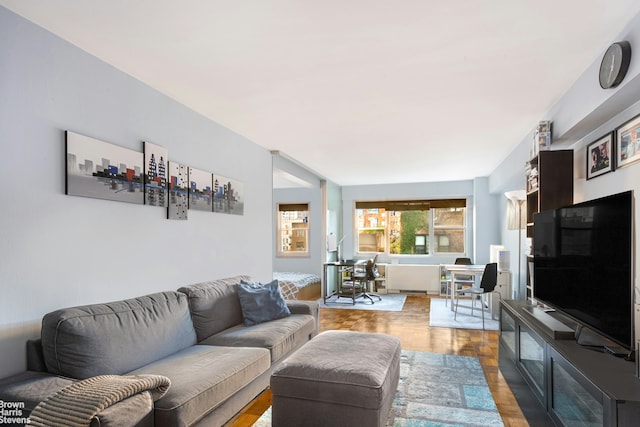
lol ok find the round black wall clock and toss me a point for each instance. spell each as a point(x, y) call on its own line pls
point(615, 64)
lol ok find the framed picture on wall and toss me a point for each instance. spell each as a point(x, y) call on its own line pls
point(156, 160)
point(628, 142)
point(599, 159)
point(178, 203)
point(228, 195)
point(102, 170)
point(200, 190)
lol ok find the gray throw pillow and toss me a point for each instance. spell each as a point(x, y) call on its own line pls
point(261, 302)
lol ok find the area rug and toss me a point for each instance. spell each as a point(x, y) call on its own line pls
point(437, 390)
point(389, 302)
point(442, 316)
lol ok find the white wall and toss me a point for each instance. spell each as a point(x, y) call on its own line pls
point(486, 220)
point(333, 209)
point(58, 250)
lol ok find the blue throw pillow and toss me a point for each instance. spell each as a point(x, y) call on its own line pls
point(261, 302)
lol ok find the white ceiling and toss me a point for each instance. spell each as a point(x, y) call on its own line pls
point(359, 91)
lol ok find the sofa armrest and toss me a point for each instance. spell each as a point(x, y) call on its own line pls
point(305, 307)
point(27, 389)
point(135, 411)
point(84, 400)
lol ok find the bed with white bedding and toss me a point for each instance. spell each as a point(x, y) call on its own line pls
point(307, 285)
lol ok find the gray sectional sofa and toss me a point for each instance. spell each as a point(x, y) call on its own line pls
point(194, 336)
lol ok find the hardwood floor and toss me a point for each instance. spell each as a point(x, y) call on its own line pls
point(411, 325)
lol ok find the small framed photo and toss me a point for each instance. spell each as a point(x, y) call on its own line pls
point(628, 142)
point(599, 159)
point(543, 135)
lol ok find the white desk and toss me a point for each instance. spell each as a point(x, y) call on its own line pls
point(460, 270)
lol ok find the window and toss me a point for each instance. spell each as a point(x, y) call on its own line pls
point(448, 230)
point(293, 229)
point(411, 227)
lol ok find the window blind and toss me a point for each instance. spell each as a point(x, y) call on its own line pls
point(288, 207)
point(412, 205)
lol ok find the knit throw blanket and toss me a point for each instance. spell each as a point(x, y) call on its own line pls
point(76, 404)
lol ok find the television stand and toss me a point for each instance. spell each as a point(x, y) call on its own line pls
point(573, 384)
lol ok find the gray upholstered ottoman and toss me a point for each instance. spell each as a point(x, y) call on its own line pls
point(339, 378)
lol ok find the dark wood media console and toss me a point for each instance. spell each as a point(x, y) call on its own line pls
point(566, 383)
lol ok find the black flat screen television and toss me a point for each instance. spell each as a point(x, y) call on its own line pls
point(583, 264)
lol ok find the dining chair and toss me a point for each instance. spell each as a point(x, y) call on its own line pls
point(460, 279)
point(487, 285)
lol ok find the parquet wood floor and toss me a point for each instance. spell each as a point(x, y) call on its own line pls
point(411, 325)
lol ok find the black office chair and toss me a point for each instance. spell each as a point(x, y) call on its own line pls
point(487, 285)
point(372, 275)
point(362, 276)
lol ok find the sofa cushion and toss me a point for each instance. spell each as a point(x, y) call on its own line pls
point(261, 302)
point(214, 305)
point(116, 337)
point(202, 378)
point(279, 336)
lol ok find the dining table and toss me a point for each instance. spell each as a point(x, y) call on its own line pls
point(457, 270)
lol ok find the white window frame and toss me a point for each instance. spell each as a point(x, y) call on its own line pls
point(280, 228)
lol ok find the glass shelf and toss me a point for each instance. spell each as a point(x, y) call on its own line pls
point(572, 401)
point(531, 360)
point(508, 332)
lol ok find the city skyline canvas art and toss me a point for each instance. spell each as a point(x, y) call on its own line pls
point(228, 195)
point(155, 174)
point(200, 190)
point(102, 170)
point(178, 191)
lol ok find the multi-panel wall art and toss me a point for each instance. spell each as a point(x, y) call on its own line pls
point(102, 170)
point(178, 191)
point(227, 195)
point(200, 190)
point(156, 160)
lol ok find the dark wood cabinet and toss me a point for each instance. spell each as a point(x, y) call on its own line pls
point(558, 382)
point(549, 183)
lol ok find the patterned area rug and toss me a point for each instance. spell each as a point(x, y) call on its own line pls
point(437, 390)
point(388, 302)
point(442, 316)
